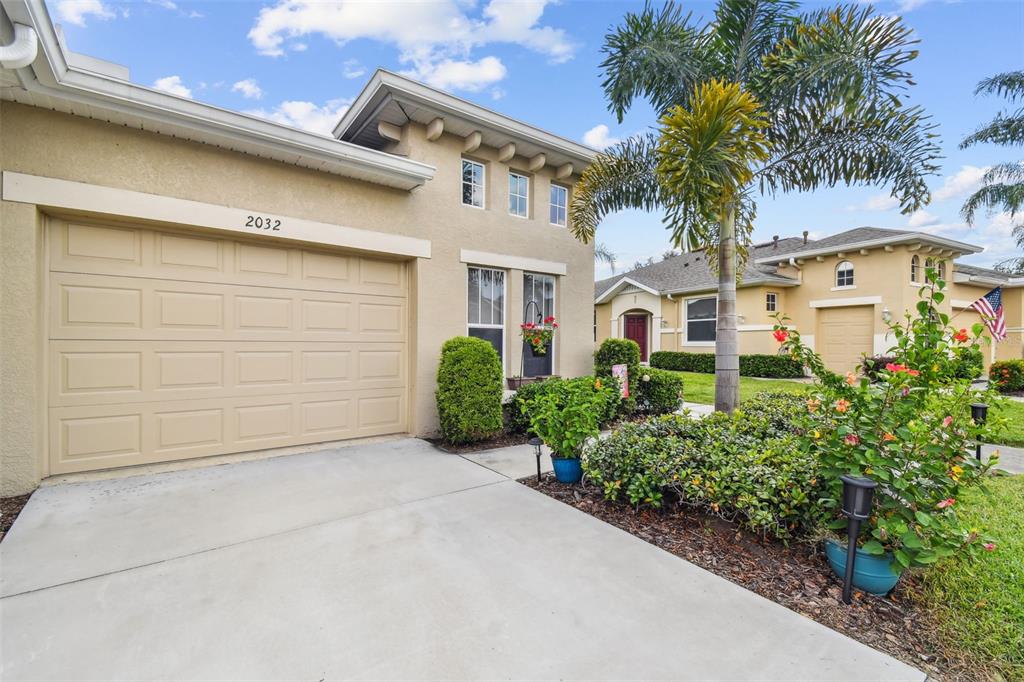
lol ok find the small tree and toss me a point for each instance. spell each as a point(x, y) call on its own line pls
point(469, 390)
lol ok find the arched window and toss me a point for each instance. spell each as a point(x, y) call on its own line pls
point(844, 274)
point(942, 270)
point(915, 269)
point(929, 264)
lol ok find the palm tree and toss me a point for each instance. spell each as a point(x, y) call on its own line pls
point(602, 254)
point(1002, 185)
point(760, 100)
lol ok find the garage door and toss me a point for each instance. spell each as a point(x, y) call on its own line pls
point(167, 345)
point(844, 336)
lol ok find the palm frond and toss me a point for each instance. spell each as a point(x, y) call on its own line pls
point(622, 176)
point(995, 197)
point(603, 254)
point(655, 54)
point(747, 30)
point(839, 56)
point(1004, 130)
point(870, 145)
point(1009, 172)
point(1009, 85)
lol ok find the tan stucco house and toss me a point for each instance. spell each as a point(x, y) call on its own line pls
point(180, 281)
point(838, 291)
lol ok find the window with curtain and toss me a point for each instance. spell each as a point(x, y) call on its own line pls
point(487, 307)
point(701, 318)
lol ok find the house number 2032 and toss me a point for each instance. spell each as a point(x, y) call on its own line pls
point(261, 223)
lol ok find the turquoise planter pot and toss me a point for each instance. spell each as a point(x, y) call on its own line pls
point(871, 573)
point(567, 470)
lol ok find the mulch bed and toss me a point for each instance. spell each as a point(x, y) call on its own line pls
point(10, 507)
point(796, 577)
point(499, 441)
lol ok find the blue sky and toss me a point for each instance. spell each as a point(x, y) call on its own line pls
point(302, 62)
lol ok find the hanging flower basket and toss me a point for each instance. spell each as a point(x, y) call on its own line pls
point(539, 336)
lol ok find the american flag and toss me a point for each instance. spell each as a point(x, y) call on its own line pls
point(990, 306)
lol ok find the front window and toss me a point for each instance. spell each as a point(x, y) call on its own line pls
point(472, 183)
point(701, 317)
point(844, 274)
point(487, 307)
point(540, 289)
point(915, 269)
point(518, 195)
point(771, 301)
point(942, 270)
point(559, 204)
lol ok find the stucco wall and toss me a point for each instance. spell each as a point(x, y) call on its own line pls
point(40, 142)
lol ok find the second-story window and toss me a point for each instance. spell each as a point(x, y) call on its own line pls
point(915, 269)
point(559, 204)
point(519, 195)
point(844, 274)
point(472, 183)
point(771, 301)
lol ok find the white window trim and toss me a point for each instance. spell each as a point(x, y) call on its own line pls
point(848, 287)
point(835, 276)
point(483, 182)
point(504, 312)
point(686, 321)
point(526, 197)
point(775, 302)
point(550, 204)
point(554, 313)
point(915, 270)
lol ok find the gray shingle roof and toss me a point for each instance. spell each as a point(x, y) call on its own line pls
point(981, 272)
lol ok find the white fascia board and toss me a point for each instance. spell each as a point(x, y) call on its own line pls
point(962, 247)
point(740, 285)
point(55, 77)
point(842, 302)
point(501, 260)
point(117, 202)
point(404, 88)
point(625, 280)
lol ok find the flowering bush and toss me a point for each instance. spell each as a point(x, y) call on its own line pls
point(539, 335)
point(1007, 376)
point(910, 430)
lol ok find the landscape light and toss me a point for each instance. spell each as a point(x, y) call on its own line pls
point(536, 443)
point(979, 413)
point(857, 494)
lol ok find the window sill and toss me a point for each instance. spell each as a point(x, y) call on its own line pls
point(847, 288)
point(479, 208)
point(699, 344)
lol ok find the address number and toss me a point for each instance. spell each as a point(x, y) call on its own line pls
point(261, 223)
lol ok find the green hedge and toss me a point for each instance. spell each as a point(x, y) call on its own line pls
point(746, 467)
point(658, 391)
point(968, 363)
point(619, 352)
point(469, 390)
point(753, 365)
point(1007, 376)
point(520, 412)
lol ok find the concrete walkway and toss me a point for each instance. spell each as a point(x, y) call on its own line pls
point(385, 561)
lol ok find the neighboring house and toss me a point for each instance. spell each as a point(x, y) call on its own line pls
point(181, 281)
point(838, 291)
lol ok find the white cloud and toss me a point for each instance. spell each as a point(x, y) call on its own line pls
point(963, 182)
point(75, 11)
point(922, 218)
point(879, 202)
point(434, 39)
point(351, 68)
point(173, 85)
point(249, 88)
point(451, 74)
point(598, 137)
point(307, 115)
point(166, 4)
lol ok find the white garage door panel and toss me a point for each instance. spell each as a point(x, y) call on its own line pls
point(102, 436)
point(845, 335)
point(169, 345)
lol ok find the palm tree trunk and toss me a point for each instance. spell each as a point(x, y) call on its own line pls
point(727, 360)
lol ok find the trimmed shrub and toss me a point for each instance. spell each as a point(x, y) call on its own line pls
point(469, 390)
point(751, 365)
point(1007, 376)
point(968, 362)
point(745, 467)
point(528, 394)
point(619, 352)
point(658, 391)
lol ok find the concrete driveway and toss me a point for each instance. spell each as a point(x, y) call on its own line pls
point(381, 561)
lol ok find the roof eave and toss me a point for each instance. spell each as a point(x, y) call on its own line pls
point(961, 247)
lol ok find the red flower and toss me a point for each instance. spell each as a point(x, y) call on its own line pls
point(947, 421)
point(852, 439)
point(896, 368)
point(961, 336)
point(989, 546)
point(549, 319)
point(948, 502)
point(781, 335)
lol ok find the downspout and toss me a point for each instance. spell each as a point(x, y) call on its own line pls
point(792, 262)
point(22, 50)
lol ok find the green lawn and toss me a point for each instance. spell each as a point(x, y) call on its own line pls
point(700, 388)
point(980, 603)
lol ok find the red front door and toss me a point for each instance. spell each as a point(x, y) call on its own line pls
point(636, 330)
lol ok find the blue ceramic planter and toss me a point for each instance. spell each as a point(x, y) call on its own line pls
point(567, 470)
point(871, 572)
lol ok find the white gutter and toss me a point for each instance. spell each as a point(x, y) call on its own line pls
point(22, 50)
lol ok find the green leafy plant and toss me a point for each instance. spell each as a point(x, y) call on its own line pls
point(658, 391)
point(910, 431)
point(527, 395)
point(619, 352)
point(968, 363)
point(565, 421)
point(1007, 376)
point(751, 365)
point(469, 390)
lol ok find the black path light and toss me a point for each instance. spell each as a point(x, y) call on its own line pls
point(536, 443)
point(979, 413)
point(857, 494)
